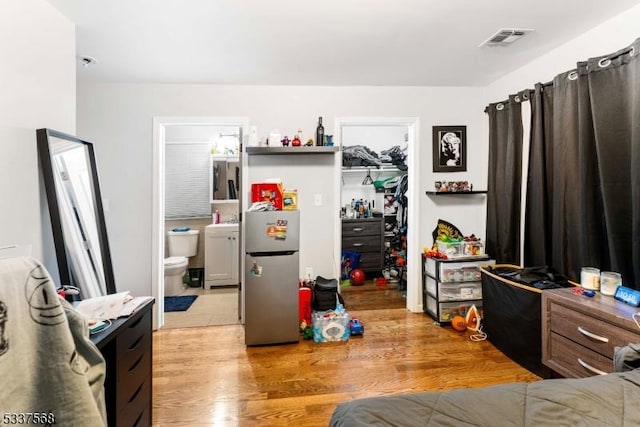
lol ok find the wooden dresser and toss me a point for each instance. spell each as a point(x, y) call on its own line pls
point(579, 333)
point(126, 347)
point(365, 236)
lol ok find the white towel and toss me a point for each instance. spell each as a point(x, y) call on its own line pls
point(47, 362)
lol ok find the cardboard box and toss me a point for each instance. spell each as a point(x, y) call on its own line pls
point(290, 200)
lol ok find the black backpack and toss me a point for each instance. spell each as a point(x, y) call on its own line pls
point(325, 294)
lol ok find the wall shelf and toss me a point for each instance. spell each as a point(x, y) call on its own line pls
point(292, 150)
point(453, 193)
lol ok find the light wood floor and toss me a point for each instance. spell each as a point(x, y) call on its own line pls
point(214, 307)
point(372, 297)
point(207, 377)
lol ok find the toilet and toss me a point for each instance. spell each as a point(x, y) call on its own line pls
point(182, 245)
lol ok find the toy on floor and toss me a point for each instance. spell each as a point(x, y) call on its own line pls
point(357, 277)
point(355, 327)
point(331, 325)
point(306, 330)
point(458, 323)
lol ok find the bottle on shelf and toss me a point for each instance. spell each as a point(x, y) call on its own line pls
point(320, 133)
point(297, 140)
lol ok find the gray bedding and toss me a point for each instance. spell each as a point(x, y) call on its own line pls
point(609, 400)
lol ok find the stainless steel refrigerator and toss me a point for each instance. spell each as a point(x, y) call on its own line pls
point(271, 277)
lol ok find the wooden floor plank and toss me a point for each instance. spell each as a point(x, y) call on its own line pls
point(207, 376)
point(369, 296)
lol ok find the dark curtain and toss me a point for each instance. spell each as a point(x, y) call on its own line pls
point(537, 237)
point(614, 81)
point(504, 180)
point(560, 175)
point(583, 203)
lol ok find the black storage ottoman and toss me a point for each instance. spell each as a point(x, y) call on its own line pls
point(512, 319)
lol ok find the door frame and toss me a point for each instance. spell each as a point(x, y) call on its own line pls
point(157, 235)
point(414, 268)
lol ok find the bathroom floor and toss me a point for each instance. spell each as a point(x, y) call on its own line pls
point(213, 307)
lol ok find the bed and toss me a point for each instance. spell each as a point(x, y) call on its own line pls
point(608, 400)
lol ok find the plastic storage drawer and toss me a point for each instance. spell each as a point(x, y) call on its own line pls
point(454, 291)
point(456, 270)
point(444, 311)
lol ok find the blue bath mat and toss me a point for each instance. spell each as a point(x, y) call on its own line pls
point(181, 303)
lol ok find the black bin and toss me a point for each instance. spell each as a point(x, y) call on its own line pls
point(512, 316)
point(196, 277)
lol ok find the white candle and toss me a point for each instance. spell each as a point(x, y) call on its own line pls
point(590, 278)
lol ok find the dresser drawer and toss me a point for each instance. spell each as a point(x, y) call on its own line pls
point(131, 379)
point(136, 411)
point(578, 360)
point(371, 261)
point(132, 336)
point(362, 228)
point(593, 333)
point(362, 243)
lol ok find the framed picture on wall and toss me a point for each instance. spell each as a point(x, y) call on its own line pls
point(449, 148)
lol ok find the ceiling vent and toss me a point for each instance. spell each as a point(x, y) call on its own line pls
point(505, 36)
point(86, 61)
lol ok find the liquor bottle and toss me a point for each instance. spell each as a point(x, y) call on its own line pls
point(320, 133)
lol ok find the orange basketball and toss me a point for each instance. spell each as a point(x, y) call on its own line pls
point(458, 323)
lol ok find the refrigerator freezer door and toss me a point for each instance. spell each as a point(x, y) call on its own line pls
point(272, 231)
point(271, 299)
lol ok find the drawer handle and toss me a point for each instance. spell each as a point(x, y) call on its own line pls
point(588, 367)
point(135, 365)
point(135, 344)
point(357, 245)
point(358, 228)
point(134, 324)
point(133, 397)
point(592, 335)
point(137, 421)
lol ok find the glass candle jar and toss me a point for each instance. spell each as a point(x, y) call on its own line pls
point(609, 282)
point(590, 278)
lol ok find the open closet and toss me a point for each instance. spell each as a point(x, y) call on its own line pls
point(374, 203)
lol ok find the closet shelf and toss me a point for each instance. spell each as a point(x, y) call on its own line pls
point(292, 150)
point(360, 169)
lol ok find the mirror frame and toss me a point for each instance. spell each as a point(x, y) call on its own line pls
point(64, 266)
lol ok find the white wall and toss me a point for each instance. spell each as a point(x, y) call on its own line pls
point(606, 38)
point(37, 89)
point(118, 119)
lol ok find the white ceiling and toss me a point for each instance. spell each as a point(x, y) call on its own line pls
point(329, 42)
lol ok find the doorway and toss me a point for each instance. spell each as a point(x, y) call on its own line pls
point(378, 196)
point(192, 158)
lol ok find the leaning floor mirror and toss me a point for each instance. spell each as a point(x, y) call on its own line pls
point(70, 175)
